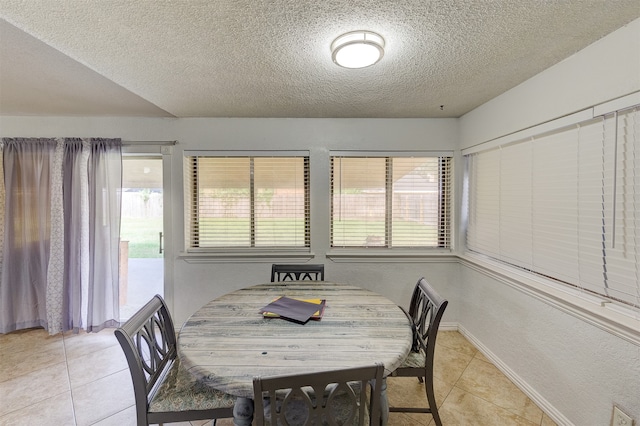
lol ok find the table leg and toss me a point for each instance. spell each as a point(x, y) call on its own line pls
point(243, 412)
point(384, 404)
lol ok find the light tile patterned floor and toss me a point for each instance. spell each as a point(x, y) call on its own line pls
point(83, 379)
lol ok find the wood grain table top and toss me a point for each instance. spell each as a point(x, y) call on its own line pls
point(227, 342)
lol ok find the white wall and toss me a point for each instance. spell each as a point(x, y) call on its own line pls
point(197, 283)
point(574, 369)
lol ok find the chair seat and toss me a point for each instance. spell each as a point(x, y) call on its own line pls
point(414, 360)
point(180, 391)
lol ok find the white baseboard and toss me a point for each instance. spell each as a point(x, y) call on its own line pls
point(449, 326)
point(528, 390)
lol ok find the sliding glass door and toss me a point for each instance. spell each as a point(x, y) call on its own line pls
point(141, 235)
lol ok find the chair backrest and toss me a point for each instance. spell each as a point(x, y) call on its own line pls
point(297, 272)
point(333, 397)
point(148, 340)
point(425, 311)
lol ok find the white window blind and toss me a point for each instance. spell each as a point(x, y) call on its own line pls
point(247, 201)
point(622, 271)
point(564, 205)
point(390, 201)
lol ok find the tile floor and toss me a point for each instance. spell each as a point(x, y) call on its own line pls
point(84, 380)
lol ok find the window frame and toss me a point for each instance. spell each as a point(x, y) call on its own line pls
point(399, 253)
point(193, 254)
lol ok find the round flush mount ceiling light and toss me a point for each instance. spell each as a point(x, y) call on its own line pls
point(357, 49)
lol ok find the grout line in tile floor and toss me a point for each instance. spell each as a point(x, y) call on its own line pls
point(64, 349)
point(94, 387)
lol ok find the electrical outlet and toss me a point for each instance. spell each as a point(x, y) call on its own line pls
point(620, 418)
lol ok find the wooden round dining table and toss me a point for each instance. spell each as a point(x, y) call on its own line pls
point(228, 342)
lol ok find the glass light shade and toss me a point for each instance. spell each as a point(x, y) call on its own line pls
point(357, 49)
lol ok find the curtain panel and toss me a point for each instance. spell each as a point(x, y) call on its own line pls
point(60, 227)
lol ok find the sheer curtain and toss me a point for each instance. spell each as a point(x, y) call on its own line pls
point(105, 197)
point(27, 174)
point(61, 220)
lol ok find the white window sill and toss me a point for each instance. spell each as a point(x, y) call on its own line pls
point(616, 319)
point(271, 255)
point(391, 255)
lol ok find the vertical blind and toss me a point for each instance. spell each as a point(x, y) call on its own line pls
point(247, 201)
point(390, 201)
point(565, 205)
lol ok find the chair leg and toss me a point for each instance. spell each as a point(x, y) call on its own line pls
point(431, 398)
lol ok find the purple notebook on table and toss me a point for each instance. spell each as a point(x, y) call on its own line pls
point(292, 309)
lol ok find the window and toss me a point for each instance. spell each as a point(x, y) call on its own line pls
point(239, 201)
point(564, 205)
point(390, 202)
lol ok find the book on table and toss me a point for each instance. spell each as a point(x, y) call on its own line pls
point(298, 310)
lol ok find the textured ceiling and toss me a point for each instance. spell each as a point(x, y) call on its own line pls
point(259, 58)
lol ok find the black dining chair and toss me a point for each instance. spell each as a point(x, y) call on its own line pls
point(425, 312)
point(339, 397)
point(164, 391)
point(300, 272)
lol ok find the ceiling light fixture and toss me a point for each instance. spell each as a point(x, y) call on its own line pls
point(357, 49)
